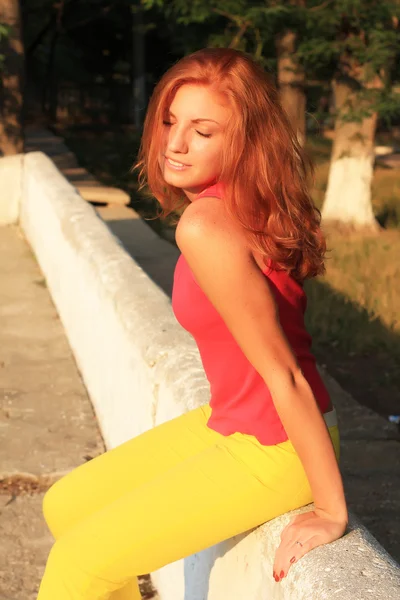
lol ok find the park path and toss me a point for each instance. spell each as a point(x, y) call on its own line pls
point(37, 138)
point(48, 426)
point(47, 422)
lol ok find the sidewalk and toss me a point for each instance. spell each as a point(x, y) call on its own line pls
point(47, 423)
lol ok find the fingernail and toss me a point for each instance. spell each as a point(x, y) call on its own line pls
point(276, 577)
point(293, 559)
point(281, 574)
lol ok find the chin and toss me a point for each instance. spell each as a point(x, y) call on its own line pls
point(179, 180)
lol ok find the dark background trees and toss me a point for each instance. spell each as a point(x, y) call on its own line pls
point(11, 78)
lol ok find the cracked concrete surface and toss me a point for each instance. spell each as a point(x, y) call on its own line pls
point(47, 423)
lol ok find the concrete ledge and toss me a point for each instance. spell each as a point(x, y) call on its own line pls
point(102, 193)
point(10, 188)
point(88, 186)
point(141, 369)
point(354, 567)
point(119, 323)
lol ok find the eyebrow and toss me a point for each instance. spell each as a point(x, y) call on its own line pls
point(197, 120)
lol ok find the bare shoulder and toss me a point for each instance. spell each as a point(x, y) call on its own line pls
point(205, 220)
point(225, 269)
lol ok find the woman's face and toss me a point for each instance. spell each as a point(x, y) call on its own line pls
point(193, 138)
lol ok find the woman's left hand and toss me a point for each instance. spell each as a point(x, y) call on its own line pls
point(311, 529)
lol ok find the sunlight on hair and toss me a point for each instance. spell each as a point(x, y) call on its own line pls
point(265, 172)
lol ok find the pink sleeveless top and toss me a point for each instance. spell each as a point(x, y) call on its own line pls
point(240, 400)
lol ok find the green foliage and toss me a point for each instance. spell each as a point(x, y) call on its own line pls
point(93, 39)
point(4, 31)
point(356, 39)
point(4, 34)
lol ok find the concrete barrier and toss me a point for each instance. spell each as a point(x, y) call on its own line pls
point(10, 188)
point(141, 369)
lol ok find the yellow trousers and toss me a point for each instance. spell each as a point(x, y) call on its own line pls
point(166, 494)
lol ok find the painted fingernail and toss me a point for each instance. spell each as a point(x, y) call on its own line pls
point(281, 574)
point(293, 559)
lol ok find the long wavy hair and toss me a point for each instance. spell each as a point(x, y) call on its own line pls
point(265, 172)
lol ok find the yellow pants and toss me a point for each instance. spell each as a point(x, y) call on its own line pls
point(166, 494)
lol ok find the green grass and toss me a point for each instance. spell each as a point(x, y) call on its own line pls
point(355, 307)
point(354, 310)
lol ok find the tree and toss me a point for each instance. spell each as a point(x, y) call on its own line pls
point(268, 30)
point(11, 47)
point(291, 82)
point(363, 36)
point(4, 33)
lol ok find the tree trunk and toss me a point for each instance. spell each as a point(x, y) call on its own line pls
point(348, 194)
point(11, 101)
point(291, 81)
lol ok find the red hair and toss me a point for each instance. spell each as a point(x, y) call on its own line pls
point(265, 171)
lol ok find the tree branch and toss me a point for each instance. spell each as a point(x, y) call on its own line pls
point(320, 6)
point(32, 47)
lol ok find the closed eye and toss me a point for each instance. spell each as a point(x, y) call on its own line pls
point(206, 135)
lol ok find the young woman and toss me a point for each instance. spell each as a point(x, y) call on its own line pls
point(217, 142)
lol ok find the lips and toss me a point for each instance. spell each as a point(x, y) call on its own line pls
point(178, 162)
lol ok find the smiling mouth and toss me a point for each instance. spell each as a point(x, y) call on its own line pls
point(176, 163)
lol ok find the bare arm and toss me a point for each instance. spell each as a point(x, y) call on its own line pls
point(227, 273)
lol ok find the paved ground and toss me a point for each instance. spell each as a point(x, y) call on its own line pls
point(47, 423)
point(87, 185)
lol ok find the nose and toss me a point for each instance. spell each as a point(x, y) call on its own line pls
point(177, 142)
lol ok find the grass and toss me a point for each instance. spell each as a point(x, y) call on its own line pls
point(354, 317)
point(354, 310)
